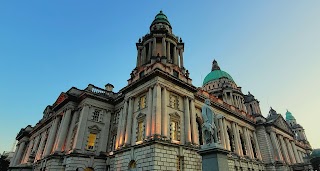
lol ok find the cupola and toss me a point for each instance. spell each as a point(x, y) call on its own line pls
point(216, 73)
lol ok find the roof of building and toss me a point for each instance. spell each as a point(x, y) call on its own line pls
point(161, 18)
point(315, 153)
point(289, 116)
point(216, 73)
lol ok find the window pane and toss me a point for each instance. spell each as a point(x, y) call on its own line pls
point(91, 141)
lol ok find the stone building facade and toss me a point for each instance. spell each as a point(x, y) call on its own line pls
point(154, 123)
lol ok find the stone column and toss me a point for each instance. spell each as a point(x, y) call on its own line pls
point(41, 146)
point(67, 146)
point(236, 142)
point(181, 58)
point(164, 125)
point(19, 154)
point(64, 129)
point(187, 120)
point(249, 145)
point(168, 51)
point(14, 155)
point(82, 125)
point(175, 56)
point(149, 114)
point(36, 144)
point(144, 56)
point(26, 157)
point(276, 145)
point(157, 108)
point(257, 146)
point(52, 135)
point(154, 106)
point(138, 57)
point(293, 160)
point(164, 46)
point(154, 48)
point(295, 152)
point(104, 135)
point(226, 139)
point(129, 123)
point(123, 122)
point(239, 141)
point(119, 128)
point(222, 133)
point(194, 127)
point(284, 149)
point(149, 52)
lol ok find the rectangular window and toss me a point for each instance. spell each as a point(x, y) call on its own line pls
point(174, 130)
point(142, 102)
point(140, 131)
point(174, 102)
point(96, 115)
point(91, 141)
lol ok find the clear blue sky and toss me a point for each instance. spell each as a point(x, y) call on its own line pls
point(271, 48)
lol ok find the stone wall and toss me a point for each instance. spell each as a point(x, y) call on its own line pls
point(236, 164)
point(71, 163)
point(157, 157)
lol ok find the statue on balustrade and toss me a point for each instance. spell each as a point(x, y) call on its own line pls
point(209, 129)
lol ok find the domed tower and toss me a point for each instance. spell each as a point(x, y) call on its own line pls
point(296, 128)
point(221, 84)
point(160, 46)
point(252, 105)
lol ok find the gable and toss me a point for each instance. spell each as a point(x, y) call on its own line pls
point(282, 124)
point(60, 99)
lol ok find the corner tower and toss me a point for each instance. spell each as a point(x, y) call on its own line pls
point(161, 46)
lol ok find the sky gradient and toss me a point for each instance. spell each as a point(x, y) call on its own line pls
point(270, 48)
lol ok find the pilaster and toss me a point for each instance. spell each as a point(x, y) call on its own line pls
point(52, 135)
point(129, 123)
point(164, 125)
point(187, 120)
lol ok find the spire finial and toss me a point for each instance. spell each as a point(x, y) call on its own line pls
point(215, 65)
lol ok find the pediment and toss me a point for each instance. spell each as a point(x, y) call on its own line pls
point(60, 99)
point(47, 110)
point(282, 124)
point(175, 115)
point(94, 129)
point(141, 116)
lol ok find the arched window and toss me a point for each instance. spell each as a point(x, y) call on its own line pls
point(243, 144)
point(251, 109)
point(231, 140)
point(253, 148)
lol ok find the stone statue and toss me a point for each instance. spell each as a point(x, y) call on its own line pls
point(209, 129)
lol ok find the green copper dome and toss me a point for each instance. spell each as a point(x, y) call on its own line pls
point(161, 18)
point(216, 73)
point(315, 153)
point(289, 116)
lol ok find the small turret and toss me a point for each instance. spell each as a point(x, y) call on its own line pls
point(252, 104)
point(296, 128)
